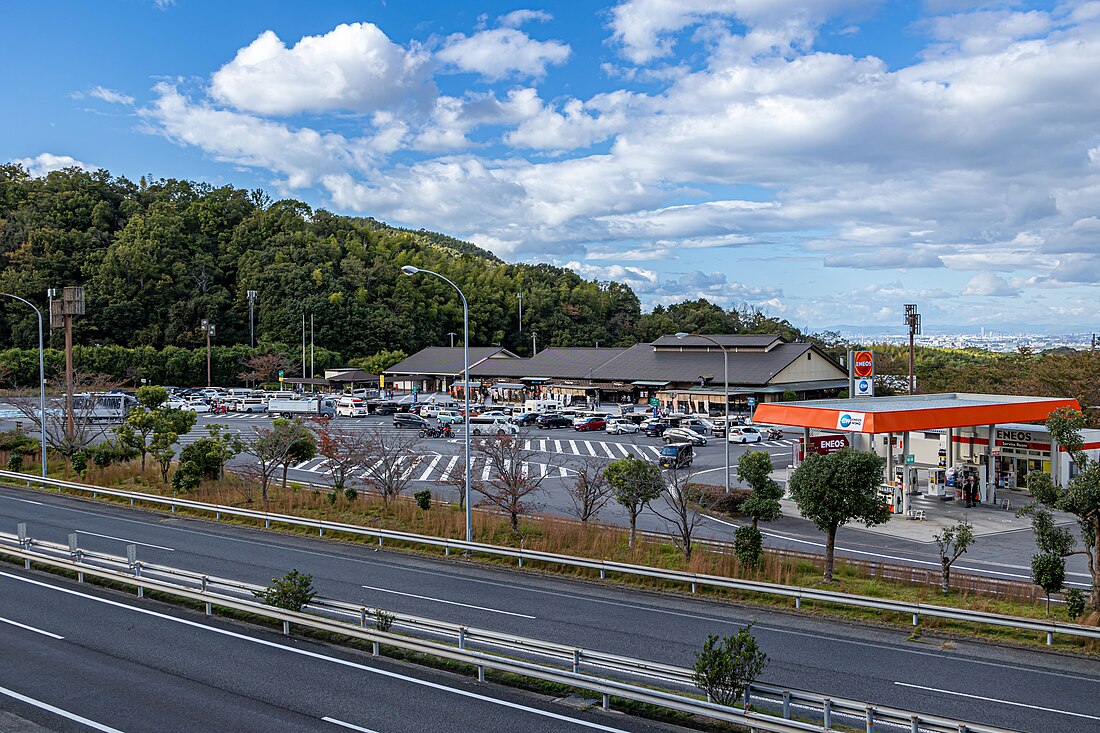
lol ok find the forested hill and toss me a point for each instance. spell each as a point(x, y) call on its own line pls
point(157, 257)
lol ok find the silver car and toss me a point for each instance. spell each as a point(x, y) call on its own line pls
point(618, 427)
point(684, 435)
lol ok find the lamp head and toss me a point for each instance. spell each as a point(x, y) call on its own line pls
point(410, 270)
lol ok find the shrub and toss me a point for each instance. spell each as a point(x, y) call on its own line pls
point(79, 462)
point(15, 462)
point(718, 500)
point(292, 591)
point(202, 455)
point(383, 620)
point(351, 494)
point(727, 665)
point(1075, 603)
point(748, 545)
point(332, 497)
point(187, 477)
point(423, 499)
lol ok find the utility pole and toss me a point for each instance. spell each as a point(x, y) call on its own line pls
point(303, 345)
point(311, 350)
point(208, 328)
point(912, 320)
point(452, 334)
point(251, 321)
point(61, 316)
point(534, 343)
point(519, 296)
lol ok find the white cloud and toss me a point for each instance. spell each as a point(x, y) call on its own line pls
point(111, 96)
point(516, 18)
point(635, 277)
point(499, 53)
point(988, 283)
point(44, 163)
point(352, 67)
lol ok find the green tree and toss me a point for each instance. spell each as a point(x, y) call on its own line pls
point(1048, 571)
point(170, 425)
point(1080, 497)
point(952, 542)
point(292, 591)
point(635, 483)
point(270, 446)
point(727, 665)
point(748, 545)
point(303, 449)
point(142, 421)
point(754, 468)
point(835, 489)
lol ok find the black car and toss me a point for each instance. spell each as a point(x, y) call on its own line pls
point(554, 421)
point(409, 420)
point(525, 419)
point(676, 455)
point(655, 429)
point(386, 408)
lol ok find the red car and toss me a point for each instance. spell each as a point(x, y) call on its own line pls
point(590, 423)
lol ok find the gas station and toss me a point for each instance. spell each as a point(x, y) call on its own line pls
point(933, 441)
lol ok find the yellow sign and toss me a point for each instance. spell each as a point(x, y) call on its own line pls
point(381, 380)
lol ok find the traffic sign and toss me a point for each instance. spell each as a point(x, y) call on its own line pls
point(282, 373)
point(654, 401)
point(910, 459)
point(751, 401)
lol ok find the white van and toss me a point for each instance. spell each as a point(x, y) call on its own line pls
point(250, 404)
point(482, 425)
point(351, 407)
point(541, 407)
point(239, 392)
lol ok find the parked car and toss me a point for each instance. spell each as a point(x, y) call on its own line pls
point(676, 456)
point(188, 405)
point(501, 414)
point(654, 428)
point(492, 425)
point(554, 421)
point(351, 407)
point(386, 408)
point(249, 404)
point(744, 435)
point(450, 417)
point(584, 424)
point(620, 426)
point(684, 435)
point(409, 420)
point(525, 419)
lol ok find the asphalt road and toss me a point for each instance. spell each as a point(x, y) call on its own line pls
point(129, 665)
point(1018, 689)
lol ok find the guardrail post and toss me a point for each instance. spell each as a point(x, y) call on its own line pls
point(218, 515)
point(203, 582)
point(137, 574)
point(786, 704)
point(827, 714)
point(606, 701)
point(209, 609)
point(374, 648)
point(321, 530)
point(603, 574)
point(267, 523)
point(462, 638)
point(480, 673)
point(870, 719)
point(693, 586)
point(131, 501)
point(916, 619)
point(1050, 638)
point(748, 696)
point(798, 601)
point(362, 617)
point(447, 550)
point(914, 724)
point(379, 540)
point(576, 661)
point(286, 628)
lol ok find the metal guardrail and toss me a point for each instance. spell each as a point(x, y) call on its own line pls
point(522, 555)
point(783, 699)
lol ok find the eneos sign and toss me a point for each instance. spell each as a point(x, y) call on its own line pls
point(825, 444)
point(863, 364)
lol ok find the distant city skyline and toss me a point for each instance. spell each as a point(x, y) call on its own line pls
point(825, 161)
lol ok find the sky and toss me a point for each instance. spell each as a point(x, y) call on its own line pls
point(825, 161)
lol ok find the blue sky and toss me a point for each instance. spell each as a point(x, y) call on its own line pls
point(825, 161)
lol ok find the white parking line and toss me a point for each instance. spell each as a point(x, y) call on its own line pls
point(58, 711)
point(122, 539)
point(349, 726)
point(30, 628)
point(1002, 702)
point(449, 603)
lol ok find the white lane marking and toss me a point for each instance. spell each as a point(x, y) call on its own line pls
point(449, 603)
point(123, 539)
point(25, 501)
point(30, 628)
point(342, 724)
point(557, 446)
point(607, 449)
point(626, 453)
point(58, 711)
point(1002, 702)
point(431, 467)
point(450, 467)
point(304, 653)
point(588, 444)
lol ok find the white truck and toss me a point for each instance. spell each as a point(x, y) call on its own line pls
point(303, 407)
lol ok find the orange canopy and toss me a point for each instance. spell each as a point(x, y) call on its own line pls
point(917, 412)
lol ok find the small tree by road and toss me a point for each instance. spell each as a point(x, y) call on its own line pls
point(292, 591)
point(754, 468)
point(387, 460)
point(952, 542)
point(169, 426)
point(728, 665)
point(589, 493)
point(513, 481)
point(636, 483)
point(838, 488)
point(1080, 497)
point(682, 507)
point(140, 423)
point(269, 446)
point(345, 451)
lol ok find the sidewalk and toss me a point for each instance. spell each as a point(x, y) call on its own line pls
point(987, 519)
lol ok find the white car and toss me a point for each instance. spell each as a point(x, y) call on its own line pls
point(744, 435)
point(351, 407)
point(188, 406)
point(618, 427)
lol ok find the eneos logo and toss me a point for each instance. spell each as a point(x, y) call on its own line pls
point(845, 420)
point(863, 363)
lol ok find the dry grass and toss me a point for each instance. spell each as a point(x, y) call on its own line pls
point(570, 537)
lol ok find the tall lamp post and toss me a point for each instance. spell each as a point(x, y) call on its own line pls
point(726, 391)
point(208, 328)
point(410, 270)
point(251, 321)
point(41, 380)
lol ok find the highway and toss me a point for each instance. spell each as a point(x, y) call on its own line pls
point(1026, 690)
point(79, 658)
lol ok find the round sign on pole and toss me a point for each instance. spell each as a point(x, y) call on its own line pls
point(863, 365)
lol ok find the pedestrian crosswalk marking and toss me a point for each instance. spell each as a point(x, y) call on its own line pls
point(430, 468)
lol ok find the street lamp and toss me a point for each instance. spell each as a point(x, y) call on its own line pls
point(251, 322)
point(208, 328)
point(726, 391)
point(410, 270)
point(41, 381)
